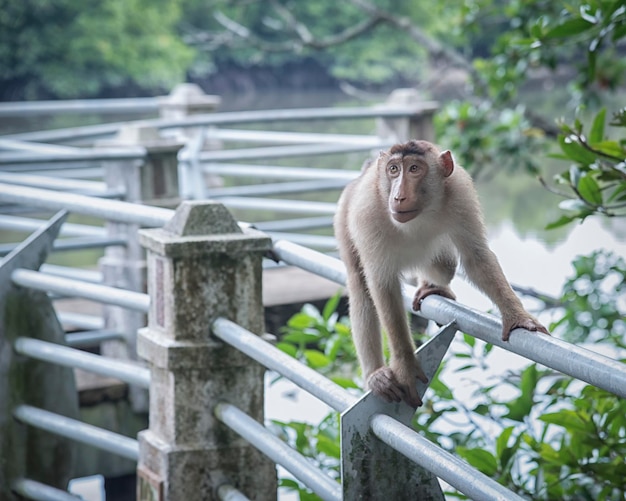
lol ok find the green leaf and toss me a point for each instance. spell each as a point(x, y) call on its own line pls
point(300, 321)
point(571, 420)
point(344, 382)
point(576, 151)
point(440, 389)
point(569, 28)
point(331, 306)
point(530, 376)
point(470, 340)
point(503, 440)
point(316, 359)
point(597, 129)
point(288, 348)
point(589, 190)
point(300, 337)
point(328, 446)
point(611, 148)
point(480, 459)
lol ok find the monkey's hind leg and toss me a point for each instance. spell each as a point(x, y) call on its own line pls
point(436, 279)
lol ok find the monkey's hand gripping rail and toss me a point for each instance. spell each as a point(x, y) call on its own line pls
point(559, 355)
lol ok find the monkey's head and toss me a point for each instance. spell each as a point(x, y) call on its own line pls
point(412, 176)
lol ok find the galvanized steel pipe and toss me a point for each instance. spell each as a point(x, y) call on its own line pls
point(227, 492)
point(276, 360)
point(75, 288)
point(552, 352)
point(456, 472)
point(71, 357)
point(278, 451)
point(113, 210)
point(278, 172)
point(292, 206)
point(315, 262)
point(78, 431)
point(31, 489)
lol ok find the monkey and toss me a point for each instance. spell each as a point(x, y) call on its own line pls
point(412, 209)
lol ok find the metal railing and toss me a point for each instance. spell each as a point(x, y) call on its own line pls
point(22, 189)
point(575, 361)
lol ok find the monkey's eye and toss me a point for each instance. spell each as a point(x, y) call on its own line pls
point(393, 169)
point(414, 168)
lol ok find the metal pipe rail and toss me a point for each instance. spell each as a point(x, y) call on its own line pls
point(15, 144)
point(303, 223)
point(227, 492)
point(125, 105)
point(277, 172)
point(75, 288)
point(559, 355)
point(282, 151)
point(278, 451)
point(257, 190)
point(113, 210)
point(291, 206)
point(30, 489)
point(405, 440)
point(237, 117)
point(270, 136)
point(272, 358)
point(78, 431)
point(91, 338)
point(82, 155)
point(72, 244)
point(444, 465)
point(49, 182)
point(25, 224)
point(77, 359)
point(92, 276)
point(318, 241)
point(80, 321)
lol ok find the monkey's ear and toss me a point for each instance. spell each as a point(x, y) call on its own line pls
point(447, 163)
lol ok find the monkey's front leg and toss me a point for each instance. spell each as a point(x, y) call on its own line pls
point(399, 380)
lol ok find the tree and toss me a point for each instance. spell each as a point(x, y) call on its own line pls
point(66, 48)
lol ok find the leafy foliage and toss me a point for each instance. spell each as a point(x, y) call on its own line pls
point(489, 140)
point(597, 176)
point(542, 435)
point(69, 49)
point(592, 311)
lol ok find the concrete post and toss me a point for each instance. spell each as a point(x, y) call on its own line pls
point(417, 126)
point(201, 266)
point(185, 100)
point(153, 181)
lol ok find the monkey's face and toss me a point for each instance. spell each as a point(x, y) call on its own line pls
point(407, 181)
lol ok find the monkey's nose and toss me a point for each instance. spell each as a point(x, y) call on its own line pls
point(399, 198)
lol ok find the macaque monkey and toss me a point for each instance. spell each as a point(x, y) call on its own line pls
point(412, 210)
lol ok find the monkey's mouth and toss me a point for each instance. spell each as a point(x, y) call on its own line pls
point(404, 216)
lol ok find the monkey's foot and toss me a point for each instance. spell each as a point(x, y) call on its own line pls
point(527, 322)
point(384, 383)
point(426, 290)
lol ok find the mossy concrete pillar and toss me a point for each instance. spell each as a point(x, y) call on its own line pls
point(201, 266)
point(418, 125)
